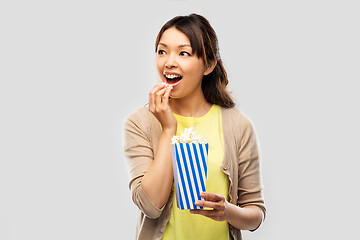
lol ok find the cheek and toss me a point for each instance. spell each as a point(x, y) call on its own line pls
point(159, 64)
point(196, 70)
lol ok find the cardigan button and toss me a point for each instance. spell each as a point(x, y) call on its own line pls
point(224, 167)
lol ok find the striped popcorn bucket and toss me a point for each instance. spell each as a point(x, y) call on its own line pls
point(190, 171)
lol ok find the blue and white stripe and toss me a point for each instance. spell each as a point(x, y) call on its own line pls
point(190, 172)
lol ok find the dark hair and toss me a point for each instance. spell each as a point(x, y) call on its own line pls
point(204, 44)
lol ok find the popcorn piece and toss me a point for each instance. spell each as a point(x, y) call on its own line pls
point(167, 85)
point(188, 136)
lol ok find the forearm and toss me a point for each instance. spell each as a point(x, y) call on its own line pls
point(158, 180)
point(246, 218)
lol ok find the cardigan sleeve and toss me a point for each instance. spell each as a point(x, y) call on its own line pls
point(139, 156)
point(249, 182)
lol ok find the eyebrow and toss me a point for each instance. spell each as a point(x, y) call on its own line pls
point(180, 46)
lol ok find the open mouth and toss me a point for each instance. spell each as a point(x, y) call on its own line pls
point(172, 79)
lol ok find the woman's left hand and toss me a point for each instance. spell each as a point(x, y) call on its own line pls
point(217, 202)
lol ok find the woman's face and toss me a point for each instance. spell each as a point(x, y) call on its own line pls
point(177, 65)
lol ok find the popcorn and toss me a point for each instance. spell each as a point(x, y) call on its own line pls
point(167, 85)
point(188, 136)
point(189, 157)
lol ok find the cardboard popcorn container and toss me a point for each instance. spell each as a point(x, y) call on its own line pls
point(190, 172)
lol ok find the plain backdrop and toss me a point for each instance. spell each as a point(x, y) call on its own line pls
point(71, 71)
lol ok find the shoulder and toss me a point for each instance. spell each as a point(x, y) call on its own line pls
point(139, 114)
point(234, 116)
point(236, 123)
point(141, 118)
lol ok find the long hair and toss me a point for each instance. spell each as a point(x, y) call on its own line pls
point(204, 43)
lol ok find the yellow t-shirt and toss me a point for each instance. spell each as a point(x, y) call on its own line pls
point(182, 224)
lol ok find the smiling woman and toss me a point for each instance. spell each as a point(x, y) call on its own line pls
point(179, 66)
point(194, 37)
point(183, 50)
point(193, 93)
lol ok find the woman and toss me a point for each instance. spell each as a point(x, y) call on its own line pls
point(192, 93)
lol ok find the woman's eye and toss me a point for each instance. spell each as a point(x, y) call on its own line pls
point(161, 52)
point(184, 53)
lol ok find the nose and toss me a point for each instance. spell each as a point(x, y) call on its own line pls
point(171, 61)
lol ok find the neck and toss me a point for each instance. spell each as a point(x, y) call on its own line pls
point(191, 106)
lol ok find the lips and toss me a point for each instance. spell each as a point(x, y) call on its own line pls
point(172, 78)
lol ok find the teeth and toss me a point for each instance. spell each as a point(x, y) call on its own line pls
point(171, 76)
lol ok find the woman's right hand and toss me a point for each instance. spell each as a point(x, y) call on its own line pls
point(159, 106)
point(158, 179)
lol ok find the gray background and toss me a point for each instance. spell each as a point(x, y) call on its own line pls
point(71, 71)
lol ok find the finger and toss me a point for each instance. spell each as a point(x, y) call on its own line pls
point(208, 204)
point(152, 93)
point(152, 97)
point(157, 87)
point(213, 197)
point(158, 97)
point(166, 95)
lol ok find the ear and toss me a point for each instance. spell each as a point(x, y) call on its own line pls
point(210, 68)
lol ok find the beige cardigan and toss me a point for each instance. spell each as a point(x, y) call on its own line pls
point(141, 134)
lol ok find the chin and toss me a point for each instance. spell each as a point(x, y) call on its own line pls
point(172, 96)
